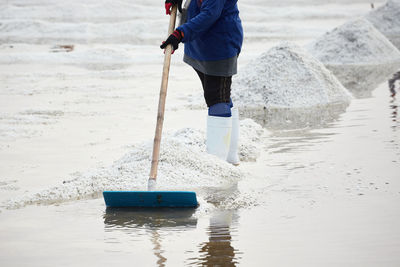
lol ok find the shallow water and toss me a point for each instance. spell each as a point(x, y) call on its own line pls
point(325, 196)
point(315, 197)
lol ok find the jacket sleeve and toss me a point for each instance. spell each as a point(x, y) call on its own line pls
point(210, 11)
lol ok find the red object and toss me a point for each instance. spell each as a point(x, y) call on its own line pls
point(177, 34)
point(168, 8)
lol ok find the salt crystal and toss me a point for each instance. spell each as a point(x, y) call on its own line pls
point(387, 20)
point(184, 165)
point(287, 88)
point(358, 54)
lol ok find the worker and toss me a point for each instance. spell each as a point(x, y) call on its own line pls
point(212, 34)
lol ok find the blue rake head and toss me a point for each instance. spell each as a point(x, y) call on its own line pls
point(150, 199)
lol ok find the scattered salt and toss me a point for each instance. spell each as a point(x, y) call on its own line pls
point(184, 165)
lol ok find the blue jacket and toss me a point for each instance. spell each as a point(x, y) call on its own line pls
point(213, 30)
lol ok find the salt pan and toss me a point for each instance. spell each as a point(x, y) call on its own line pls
point(184, 165)
point(358, 54)
point(287, 88)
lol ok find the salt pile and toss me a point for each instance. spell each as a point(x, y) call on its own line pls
point(387, 20)
point(184, 165)
point(358, 54)
point(287, 88)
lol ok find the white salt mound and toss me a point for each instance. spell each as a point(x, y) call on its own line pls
point(355, 42)
point(358, 54)
point(285, 86)
point(387, 20)
point(184, 165)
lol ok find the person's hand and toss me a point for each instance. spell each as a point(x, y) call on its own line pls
point(170, 3)
point(174, 39)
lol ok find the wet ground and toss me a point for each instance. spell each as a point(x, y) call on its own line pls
point(326, 196)
point(315, 197)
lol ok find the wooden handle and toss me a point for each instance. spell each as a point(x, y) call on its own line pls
point(163, 95)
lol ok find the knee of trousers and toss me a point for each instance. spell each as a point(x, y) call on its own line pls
point(218, 93)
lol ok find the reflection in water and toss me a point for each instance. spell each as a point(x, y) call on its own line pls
point(156, 241)
point(218, 250)
point(275, 118)
point(394, 109)
point(393, 104)
point(220, 195)
point(115, 218)
point(125, 218)
point(362, 79)
point(392, 83)
point(295, 141)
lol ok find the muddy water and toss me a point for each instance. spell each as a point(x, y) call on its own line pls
point(328, 196)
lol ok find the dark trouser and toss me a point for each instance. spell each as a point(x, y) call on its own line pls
point(217, 89)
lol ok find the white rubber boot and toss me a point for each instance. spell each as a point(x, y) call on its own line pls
point(218, 136)
point(233, 156)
